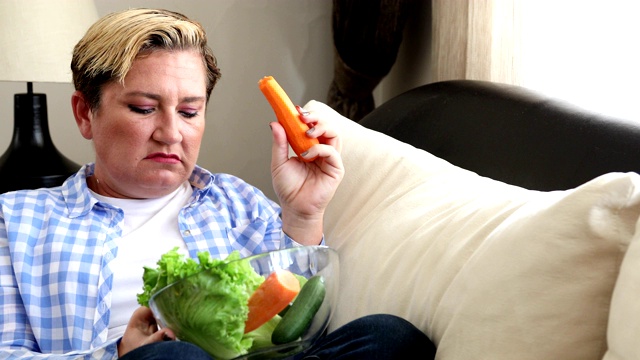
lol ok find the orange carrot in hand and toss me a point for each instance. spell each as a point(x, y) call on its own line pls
point(272, 296)
point(287, 116)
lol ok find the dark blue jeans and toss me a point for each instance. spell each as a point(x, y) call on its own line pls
point(369, 337)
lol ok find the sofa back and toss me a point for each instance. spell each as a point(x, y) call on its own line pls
point(510, 133)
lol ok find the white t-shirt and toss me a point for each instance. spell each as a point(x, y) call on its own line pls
point(150, 230)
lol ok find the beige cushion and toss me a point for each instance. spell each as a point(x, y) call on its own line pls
point(487, 270)
point(624, 320)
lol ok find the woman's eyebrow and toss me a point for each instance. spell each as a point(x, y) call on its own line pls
point(191, 99)
point(153, 96)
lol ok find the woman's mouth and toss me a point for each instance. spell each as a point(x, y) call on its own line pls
point(164, 158)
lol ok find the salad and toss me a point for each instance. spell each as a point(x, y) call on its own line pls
point(213, 304)
point(225, 306)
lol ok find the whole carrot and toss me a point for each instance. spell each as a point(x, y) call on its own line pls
point(287, 116)
point(271, 297)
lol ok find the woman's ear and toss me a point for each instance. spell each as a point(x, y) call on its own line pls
point(82, 113)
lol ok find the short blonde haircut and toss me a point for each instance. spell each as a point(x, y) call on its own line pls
point(108, 49)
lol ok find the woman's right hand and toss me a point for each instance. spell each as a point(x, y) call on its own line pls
point(304, 189)
point(141, 330)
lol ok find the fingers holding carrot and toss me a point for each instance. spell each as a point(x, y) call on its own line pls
point(327, 151)
point(288, 117)
point(325, 154)
point(303, 130)
point(321, 128)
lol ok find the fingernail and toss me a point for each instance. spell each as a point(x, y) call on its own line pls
point(270, 126)
point(166, 337)
point(302, 111)
point(304, 154)
point(310, 131)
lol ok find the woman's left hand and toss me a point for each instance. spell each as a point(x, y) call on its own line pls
point(142, 329)
point(304, 189)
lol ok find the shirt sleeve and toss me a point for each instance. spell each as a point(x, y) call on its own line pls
point(288, 242)
point(17, 340)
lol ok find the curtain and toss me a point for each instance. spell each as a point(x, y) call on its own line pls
point(366, 36)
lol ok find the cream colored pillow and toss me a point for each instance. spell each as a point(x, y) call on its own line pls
point(623, 334)
point(487, 270)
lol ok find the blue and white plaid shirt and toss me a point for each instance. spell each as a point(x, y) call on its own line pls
point(57, 245)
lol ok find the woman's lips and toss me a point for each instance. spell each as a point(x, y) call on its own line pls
point(164, 158)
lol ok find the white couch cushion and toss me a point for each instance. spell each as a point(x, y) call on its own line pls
point(487, 270)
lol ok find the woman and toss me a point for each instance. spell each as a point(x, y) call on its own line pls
point(71, 257)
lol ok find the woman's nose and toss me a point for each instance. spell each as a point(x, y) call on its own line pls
point(168, 129)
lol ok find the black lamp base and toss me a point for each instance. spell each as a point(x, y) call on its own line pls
point(19, 170)
point(32, 160)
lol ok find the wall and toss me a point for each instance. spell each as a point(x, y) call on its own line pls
point(289, 39)
point(586, 53)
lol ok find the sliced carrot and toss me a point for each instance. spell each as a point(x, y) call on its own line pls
point(272, 296)
point(287, 116)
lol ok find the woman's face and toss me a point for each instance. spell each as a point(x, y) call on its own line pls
point(147, 133)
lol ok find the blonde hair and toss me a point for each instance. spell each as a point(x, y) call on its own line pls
point(108, 49)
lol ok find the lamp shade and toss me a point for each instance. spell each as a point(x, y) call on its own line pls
point(37, 38)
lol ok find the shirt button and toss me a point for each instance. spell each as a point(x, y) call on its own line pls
point(186, 233)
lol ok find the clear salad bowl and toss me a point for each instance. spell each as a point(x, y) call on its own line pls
point(204, 309)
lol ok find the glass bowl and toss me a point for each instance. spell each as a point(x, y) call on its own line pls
point(305, 262)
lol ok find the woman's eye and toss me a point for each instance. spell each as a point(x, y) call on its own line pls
point(189, 114)
point(139, 110)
